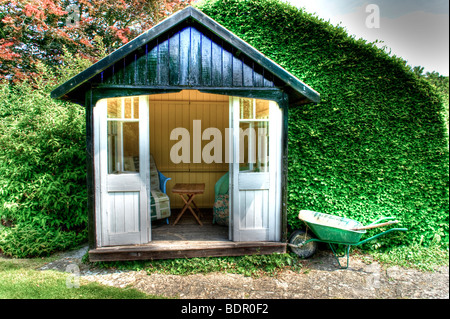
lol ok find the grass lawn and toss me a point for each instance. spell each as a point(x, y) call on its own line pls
point(19, 279)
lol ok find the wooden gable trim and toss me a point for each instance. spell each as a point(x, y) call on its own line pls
point(74, 88)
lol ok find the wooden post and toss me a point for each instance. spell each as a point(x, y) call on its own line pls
point(284, 105)
point(90, 177)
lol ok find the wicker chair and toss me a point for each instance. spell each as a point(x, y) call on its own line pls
point(159, 200)
point(220, 208)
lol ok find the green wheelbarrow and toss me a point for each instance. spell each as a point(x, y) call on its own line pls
point(335, 231)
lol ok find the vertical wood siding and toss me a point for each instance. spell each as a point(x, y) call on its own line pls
point(186, 57)
point(124, 212)
point(256, 204)
point(170, 111)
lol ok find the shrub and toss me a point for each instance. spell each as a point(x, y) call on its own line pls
point(42, 172)
point(375, 144)
point(34, 240)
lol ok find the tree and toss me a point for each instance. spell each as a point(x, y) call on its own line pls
point(439, 81)
point(36, 31)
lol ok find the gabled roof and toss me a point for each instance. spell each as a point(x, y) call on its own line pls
point(74, 88)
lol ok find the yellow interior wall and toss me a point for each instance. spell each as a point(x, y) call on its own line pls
point(173, 110)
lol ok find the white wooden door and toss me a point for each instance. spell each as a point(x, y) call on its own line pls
point(122, 169)
point(255, 170)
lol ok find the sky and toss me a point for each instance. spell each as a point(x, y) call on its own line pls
point(416, 30)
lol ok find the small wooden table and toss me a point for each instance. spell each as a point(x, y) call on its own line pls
point(190, 190)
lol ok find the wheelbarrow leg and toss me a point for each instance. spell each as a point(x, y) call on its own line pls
point(347, 253)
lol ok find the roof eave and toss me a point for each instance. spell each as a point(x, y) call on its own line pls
point(118, 54)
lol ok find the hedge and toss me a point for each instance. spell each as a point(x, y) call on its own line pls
point(375, 145)
point(43, 197)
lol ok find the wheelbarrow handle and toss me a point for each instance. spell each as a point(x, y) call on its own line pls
point(381, 234)
point(375, 225)
point(380, 219)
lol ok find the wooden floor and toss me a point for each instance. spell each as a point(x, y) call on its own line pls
point(187, 228)
point(186, 239)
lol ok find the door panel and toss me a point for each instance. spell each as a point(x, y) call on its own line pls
point(255, 167)
point(123, 170)
point(123, 212)
point(117, 183)
point(253, 181)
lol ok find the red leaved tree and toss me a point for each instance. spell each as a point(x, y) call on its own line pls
point(37, 31)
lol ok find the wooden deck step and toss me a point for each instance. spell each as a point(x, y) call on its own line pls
point(187, 239)
point(184, 249)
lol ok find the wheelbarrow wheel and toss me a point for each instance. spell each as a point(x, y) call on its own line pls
point(298, 238)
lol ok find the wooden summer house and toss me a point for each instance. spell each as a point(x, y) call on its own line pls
point(186, 109)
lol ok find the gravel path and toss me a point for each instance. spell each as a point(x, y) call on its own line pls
point(320, 279)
